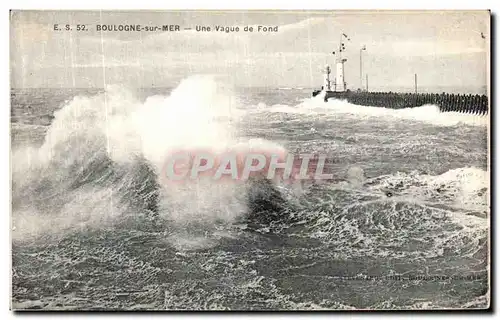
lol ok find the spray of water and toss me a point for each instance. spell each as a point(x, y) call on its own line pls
point(102, 156)
point(427, 113)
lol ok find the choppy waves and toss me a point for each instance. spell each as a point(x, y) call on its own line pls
point(94, 185)
point(102, 155)
point(427, 113)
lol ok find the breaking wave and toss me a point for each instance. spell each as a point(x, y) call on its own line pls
point(427, 113)
point(102, 156)
point(94, 184)
point(398, 215)
point(100, 162)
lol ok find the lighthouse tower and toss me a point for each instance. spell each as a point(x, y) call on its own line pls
point(326, 80)
point(340, 84)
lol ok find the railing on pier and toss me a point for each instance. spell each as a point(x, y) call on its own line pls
point(464, 103)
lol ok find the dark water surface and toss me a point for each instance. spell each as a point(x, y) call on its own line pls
point(404, 224)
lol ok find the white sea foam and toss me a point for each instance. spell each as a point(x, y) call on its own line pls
point(117, 126)
point(427, 113)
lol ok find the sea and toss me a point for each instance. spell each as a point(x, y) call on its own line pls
point(404, 223)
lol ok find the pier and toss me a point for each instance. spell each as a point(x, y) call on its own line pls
point(463, 103)
point(447, 102)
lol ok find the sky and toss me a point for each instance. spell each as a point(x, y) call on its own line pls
point(445, 48)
